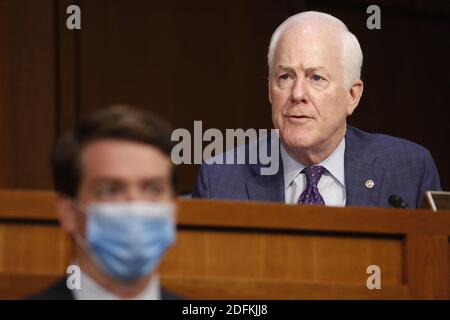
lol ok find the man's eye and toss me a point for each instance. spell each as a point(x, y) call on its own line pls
point(284, 76)
point(108, 190)
point(316, 77)
point(153, 189)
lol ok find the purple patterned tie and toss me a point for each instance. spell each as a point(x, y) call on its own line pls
point(311, 194)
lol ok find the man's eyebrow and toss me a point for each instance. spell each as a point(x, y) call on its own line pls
point(312, 68)
point(316, 68)
point(106, 179)
point(319, 68)
point(284, 67)
point(156, 179)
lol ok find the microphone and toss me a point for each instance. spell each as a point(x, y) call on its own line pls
point(397, 202)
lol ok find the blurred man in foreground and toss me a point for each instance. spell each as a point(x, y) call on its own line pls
point(115, 182)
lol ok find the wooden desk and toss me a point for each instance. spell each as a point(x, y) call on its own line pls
point(234, 250)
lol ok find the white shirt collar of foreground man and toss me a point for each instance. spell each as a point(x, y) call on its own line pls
point(90, 290)
point(331, 185)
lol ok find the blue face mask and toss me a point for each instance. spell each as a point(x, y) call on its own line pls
point(129, 239)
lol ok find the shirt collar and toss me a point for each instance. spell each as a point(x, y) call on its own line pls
point(91, 290)
point(334, 164)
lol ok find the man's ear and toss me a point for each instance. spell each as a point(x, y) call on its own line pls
point(355, 93)
point(67, 215)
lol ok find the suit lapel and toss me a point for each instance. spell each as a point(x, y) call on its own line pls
point(265, 188)
point(360, 167)
point(363, 179)
point(360, 191)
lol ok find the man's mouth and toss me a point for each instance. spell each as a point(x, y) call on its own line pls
point(299, 119)
point(299, 116)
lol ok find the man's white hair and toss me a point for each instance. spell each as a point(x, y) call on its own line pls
point(352, 56)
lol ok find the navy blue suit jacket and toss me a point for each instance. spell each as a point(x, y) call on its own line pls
point(395, 165)
point(59, 291)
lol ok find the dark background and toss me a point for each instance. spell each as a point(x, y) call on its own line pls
point(203, 60)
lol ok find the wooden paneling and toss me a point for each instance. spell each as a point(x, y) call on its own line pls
point(297, 257)
point(425, 272)
point(290, 252)
point(32, 256)
point(28, 92)
point(42, 249)
point(36, 205)
point(186, 61)
point(204, 61)
point(236, 250)
point(314, 218)
point(218, 288)
point(34, 251)
point(3, 96)
point(68, 73)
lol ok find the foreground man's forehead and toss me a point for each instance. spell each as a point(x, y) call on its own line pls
point(124, 158)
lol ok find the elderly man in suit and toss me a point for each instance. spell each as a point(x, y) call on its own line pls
point(314, 85)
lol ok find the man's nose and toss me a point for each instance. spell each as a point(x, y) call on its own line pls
point(298, 91)
point(134, 194)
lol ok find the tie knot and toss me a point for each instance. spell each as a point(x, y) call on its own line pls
point(313, 174)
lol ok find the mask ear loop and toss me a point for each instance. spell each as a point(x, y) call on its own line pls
point(80, 208)
point(82, 241)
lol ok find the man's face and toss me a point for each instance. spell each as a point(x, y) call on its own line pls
point(121, 171)
point(306, 90)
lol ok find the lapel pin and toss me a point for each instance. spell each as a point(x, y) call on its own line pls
point(370, 184)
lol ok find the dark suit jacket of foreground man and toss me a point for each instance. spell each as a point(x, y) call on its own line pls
point(396, 166)
point(59, 291)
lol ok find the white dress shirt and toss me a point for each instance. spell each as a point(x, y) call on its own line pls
point(331, 185)
point(91, 290)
